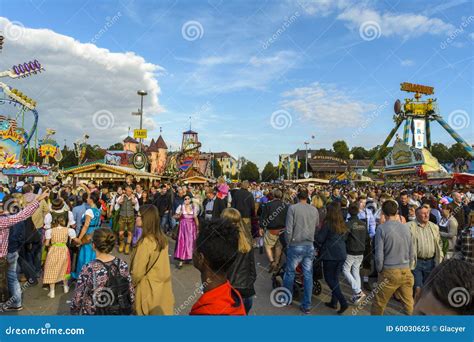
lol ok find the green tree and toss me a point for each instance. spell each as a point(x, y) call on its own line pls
point(216, 168)
point(69, 159)
point(383, 152)
point(269, 172)
point(116, 147)
point(359, 152)
point(341, 149)
point(458, 151)
point(250, 172)
point(441, 152)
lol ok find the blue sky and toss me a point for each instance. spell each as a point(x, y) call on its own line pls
point(258, 78)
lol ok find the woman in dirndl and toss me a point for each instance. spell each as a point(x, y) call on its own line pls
point(58, 262)
point(91, 223)
point(188, 227)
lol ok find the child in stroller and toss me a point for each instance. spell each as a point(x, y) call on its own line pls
point(277, 276)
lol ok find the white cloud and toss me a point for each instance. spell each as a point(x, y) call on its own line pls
point(322, 8)
point(79, 80)
point(255, 72)
point(407, 62)
point(355, 13)
point(406, 24)
point(326, 105)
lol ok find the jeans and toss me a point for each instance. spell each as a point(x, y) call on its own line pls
point(12, 278)
point(422, 271)
point(165, 222)
point(248, 302)
point(332, 270)
point(294, 256)
point(35, 254)
point(25, 261)
point(351, 270)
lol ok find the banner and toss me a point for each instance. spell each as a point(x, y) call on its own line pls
point(229, 329)
point(420, 128)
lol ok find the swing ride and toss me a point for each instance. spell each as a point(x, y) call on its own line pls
point(15, 151)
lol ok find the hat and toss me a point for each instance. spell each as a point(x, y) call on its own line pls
point(57, 204)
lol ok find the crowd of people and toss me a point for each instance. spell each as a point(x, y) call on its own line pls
point(407, 239)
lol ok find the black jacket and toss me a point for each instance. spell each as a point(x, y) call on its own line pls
point(219, 206)
point(242, 274)
point(333, 246)
point(16, 238)
point(274, 214)
point(243, 201)
point(163, 203)
point(355, 243)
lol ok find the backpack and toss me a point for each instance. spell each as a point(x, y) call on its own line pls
point(114, 298)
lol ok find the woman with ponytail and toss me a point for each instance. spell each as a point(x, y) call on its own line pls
point(242, 273)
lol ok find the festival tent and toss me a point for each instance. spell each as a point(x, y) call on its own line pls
point(102, 172)
point(311, 180)
point(197, 180)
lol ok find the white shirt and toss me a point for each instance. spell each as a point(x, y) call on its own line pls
point(48, 219)
point(71, 233)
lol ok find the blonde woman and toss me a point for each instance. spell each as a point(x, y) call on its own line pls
point(242, 273)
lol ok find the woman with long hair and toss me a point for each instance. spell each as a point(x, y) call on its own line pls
point(91, 223)
point(187, 213)
point(242, 273)
point(331, 240)
point(150, 266)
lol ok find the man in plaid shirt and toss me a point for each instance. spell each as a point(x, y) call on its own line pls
point(464, 248)
point(7, 221)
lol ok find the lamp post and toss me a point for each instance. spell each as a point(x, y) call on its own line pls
point(140, 112)
point(306, 175)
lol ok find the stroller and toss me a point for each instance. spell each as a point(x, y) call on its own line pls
point(277, 277)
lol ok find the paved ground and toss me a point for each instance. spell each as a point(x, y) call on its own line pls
point(186, 283)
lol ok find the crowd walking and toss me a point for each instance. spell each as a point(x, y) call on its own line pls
point(400, 240)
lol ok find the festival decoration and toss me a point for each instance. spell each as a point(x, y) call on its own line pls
point(14, 139)
point(417, 116)
point(80, 147)
point(49, 147)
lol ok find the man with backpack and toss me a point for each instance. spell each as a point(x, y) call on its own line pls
point(355, 246)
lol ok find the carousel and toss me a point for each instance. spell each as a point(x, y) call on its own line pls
point(17, 155)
